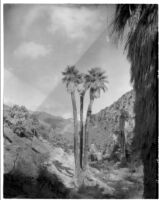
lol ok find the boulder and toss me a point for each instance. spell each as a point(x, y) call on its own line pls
point(23, 155)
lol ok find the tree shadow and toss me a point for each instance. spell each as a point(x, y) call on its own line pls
point(46, 185)
point(92, 192)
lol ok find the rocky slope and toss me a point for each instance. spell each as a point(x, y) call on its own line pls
point(106, 122)
point(103, 125)
point(35, 168)
point(29, 151)
point(39, 164)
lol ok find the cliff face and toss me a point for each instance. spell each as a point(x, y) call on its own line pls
point(106, 123)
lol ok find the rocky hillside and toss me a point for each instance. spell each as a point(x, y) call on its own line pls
point(39, 162)
point(103, 125)
point(30, 147)
point(26, 124)
point(106, 122)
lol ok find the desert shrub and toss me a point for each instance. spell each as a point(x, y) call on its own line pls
point(45, 131)
point(21, 121)
point(31, 165)
point(27, 125)
point(116, 153)
point(59, 141)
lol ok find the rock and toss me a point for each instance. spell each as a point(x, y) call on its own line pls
point(61, 164)
point(114, 177)
point(94, 180)
point(23, 155)
point(66, 159)
point(116, 165)
point(99, 156)
point(66, 180)
point(38, 146)
point(9, 159)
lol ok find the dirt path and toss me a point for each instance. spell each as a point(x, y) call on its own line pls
point(116, 183)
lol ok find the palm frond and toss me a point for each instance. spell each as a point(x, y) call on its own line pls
point(142, 46)
point(96, 79)
point(71, 75)
point(122, 15)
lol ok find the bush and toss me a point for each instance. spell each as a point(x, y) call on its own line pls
point(21, 122)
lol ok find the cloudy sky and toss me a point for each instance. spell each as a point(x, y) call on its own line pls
point(41, 40)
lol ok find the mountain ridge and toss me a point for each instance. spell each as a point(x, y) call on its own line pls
point(106, 122)
point(103, 124)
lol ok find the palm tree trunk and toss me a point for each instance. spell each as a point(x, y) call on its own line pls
point(81, 130)
point(150, 173)
point(123, 146)
point(122, 138)
point(86, 145)
point(76, 139)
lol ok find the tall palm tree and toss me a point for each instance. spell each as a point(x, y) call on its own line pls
point(70, 79)
point(96, 81)
point(81, 88)
point(141, 24)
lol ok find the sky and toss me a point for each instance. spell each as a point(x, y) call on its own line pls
point(41, 40)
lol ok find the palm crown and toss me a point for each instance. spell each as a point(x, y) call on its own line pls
point(96, 80)
point(70, 78)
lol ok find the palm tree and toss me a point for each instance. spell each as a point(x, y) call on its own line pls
point(141, 24)
point(122, 119)
point(81, 88)
point(70, 79)
point(96, 81)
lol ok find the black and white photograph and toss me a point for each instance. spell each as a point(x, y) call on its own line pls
point(79, 92)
